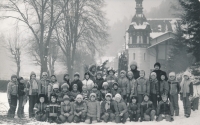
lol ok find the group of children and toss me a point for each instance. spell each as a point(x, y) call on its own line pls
point(95, 99)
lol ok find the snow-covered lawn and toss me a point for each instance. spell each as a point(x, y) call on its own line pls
point(179, 120)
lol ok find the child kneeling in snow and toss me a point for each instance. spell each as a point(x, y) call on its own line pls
point(40, 108)
point(165, 110)
point(147, 110)
point(53, 110)
point(80, 109)
point(66, 110)
point(134, 109)
point(121, 109)
point(93, 112)
point(108, 109)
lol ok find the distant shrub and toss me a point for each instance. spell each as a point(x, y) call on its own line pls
point(3, 85)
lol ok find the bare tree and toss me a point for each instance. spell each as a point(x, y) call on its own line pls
point(83, 25)
point(41, 17)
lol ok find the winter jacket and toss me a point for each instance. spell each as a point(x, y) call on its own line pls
point(111, 109)
point(80, 107)
point(21, 88)
point(53, 109)
point(30, 89)
point(50, 88)
point(73, 95)
point(111, 79)
point(120, 107)
point(43, 86)
point(79, 83)
point(40, 107)
point(67, 108)
point(93, 109)
point(85, 95)
point(59, 95)
point(174, 87)
point(146, 107)
point(98, 94)
point(154, 86)
point(132, 83)
point(66, 80)
point(142, 86)
point(115, 91)
point(99, 83)
point(186, 88)
point(165, 108)
point(88, 83)
point(12, 89)
point(133, 108)
point(124, 85)
point(136, 73)
point(164, 87)
point(104, 92)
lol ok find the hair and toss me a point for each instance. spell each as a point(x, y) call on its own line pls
point(142, 71)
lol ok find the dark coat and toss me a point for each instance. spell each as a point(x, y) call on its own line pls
point(159, 73)
point(79, 83)
point(99, 83)
point(136, 73)
point(21, 87)
point(146, 107)
point(111, 110)
point(165, 108)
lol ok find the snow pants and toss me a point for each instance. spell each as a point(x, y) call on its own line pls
point(153, 98)
point(121, 119)
point(167, 117)
point(20, 111)
point(80, 118)
point(91, 120)
point(150, 116)
point(13, 105)
point(32, 101)
point(68, 119)
point(174, 101)
point(187, 105)
point(134, 116)
point(41, 117)
point(140, 98)
point(108, 117)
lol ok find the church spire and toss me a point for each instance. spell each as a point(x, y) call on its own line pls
point(139, 7)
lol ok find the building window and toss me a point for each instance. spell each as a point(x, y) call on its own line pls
point(141, 39)
point(138, 39)
point(147, 40)
point(130, 40)
point(144, 56)
point(133, 56)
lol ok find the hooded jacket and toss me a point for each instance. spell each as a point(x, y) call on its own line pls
point(115, 91)
point(12, 89)
point(80, 107)
point(124, 85)
point(154, 89)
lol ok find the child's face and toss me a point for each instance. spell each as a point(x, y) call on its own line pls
point(162, 77)
point(92, 98)
point(65, 89)
point(111, 73)
point(53, 79)
point(76, 77)
point(105, 86)
point(115, 86)
point(186, 77)
point(75, 88)
point(93, 69)
point(33, 77)
point(87, 76)
point(66, 101)
point(130, 76)
point(98, 76)
point(164, 99)
point(41, 99)
point(146, 98)
point(66, 77)
point(79, 100)
point(141, 74)
point(117, 99)
point(157, 67)
point(153, 77)
point(122, 74)
point(21, 81)
point(53, 99)
point(108, 98)
point(172, 77)
point(133, 67)
point(133, 100)
point(44, 76)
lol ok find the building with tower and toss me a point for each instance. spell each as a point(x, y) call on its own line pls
point(149, 40)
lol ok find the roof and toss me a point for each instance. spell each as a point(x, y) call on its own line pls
point(156, 34)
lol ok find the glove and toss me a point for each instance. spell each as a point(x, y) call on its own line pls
point(9, 101)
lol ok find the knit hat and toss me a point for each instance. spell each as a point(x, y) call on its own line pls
point(186, 73)
point(54, 76)
point(93, 94)
point(123, 71)
point(55, 86)
point(13, 76)
point(66, 97)
point(65, 85)
point(130, 73)
point(77, 74)
point(153, 73)
point(133, 63)
point(109, 94)
point(157, 64)
point(105, 84)
point(79, 96)
point(118, 96)
point(44, 74)
point(115, 83)
point(32, 73)
point(172, 74)
point(111, 69)
point(146, 95)
point(42, 95)
point(99, 72)
point(75, 85)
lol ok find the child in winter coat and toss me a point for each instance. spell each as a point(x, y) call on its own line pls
point(121, 110)
point(43, 84)
point(142, 86)
point(50, 86)
point(33, 90)
point(65, 89)
point(124, 85)
point(134, 109)
point(66, 79)
point(74, 93)
point(147, 110)
point(57, 93)
point(21, 96)
point(88, 82)
point(108, 108)
point(165, 109)
point(77, 82)
point(99, 80)
point(80, 109)
point(93, 110)
point(154, 89)
point(111, 78)
point(97, 92)
point(174, 89)
point(67, 111)
point(116, 89)
point(12, 91)
point(105, 90)
point(164, 86)
point(40, 108)
point(186, 93)
point(53, 110)
point(85, 93)
point(132, 82)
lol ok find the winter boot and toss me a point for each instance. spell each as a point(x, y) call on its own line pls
point(177, 112)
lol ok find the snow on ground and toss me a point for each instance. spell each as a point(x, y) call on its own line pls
point(178, 120)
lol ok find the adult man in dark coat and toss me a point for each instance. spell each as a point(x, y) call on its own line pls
point(133, 67)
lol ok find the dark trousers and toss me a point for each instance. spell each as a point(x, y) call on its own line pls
point(140, 98)
point(153, 98)
point(121, 119)
point(13, 105)
point(20, 110)
point(32, 101)
point(195, 103)
point(134, 116)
